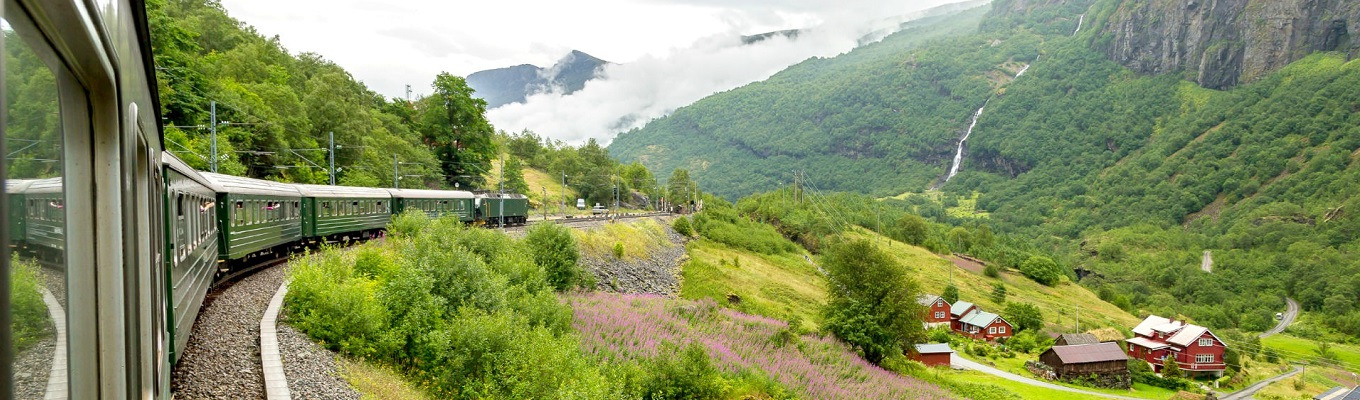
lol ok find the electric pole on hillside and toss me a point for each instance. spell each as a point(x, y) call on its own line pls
point(212, 127)
point(408, 93)
point(332, 157)
point(502, 182)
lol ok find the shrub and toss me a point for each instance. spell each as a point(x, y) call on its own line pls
point(1041, 269)
point(1025, 316)
point(992, 271)
point(999, 293)
point(872, 301)
point(951, 294)
point(618, 250)
point(682, 227)
point(409, 223)
point(554, 249)
point(29, 324)
point(684, 374)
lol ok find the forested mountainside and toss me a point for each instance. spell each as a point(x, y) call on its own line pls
point(280, 108)
point(507, 85)
point(1131, 174)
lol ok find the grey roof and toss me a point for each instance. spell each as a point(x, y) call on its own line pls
point(184, 169)
point(1079, 338)
point(1335, 393)
point(979, 318)
point(1353, 395)
point(343, 192)
point(49, 185)
point(959, 308)
point(429, 194)
point(17, 185)
point(927, 299)
point(243, 185)
point(1089, 353)
point(933, 348)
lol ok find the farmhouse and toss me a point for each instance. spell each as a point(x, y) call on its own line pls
point(1192, 347)
point(983, 325)
point(936, 312)
point(1105, 362)
point(957, 311)
point(933, 354)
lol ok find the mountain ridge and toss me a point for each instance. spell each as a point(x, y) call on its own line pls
point(515, 84)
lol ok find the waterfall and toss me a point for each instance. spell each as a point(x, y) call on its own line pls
point(1080, 20)
point(958, 155)
point(1022, 71)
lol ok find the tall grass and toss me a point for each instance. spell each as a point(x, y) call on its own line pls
point(29, 323)
point(623, 328)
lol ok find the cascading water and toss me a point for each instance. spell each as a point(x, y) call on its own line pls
point(958, 155)
point(1022, 71)
point(1080, 20)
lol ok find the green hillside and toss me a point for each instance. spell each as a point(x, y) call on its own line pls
point(1131, 176)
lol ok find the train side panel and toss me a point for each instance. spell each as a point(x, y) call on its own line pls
point(191, 256)
point(257, 223)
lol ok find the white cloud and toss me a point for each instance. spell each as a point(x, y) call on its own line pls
point(669, 52)
point(629, 95)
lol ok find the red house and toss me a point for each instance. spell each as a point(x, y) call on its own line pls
point(936, 312)
point(1194, 349)
point(957, 311)
point(982, 325)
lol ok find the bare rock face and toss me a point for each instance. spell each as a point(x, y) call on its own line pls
point(1223, 43)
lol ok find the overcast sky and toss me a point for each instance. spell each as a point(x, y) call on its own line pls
point(669, 52)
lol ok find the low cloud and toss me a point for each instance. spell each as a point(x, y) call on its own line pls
point(627, 96)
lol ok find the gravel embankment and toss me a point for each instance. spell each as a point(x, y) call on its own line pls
point(222, 360)
point(659, 273)
point(312, 371)
point(31, 368)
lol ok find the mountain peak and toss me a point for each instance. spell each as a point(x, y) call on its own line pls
point(515, 84)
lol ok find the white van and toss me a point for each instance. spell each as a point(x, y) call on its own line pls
point(580, 204)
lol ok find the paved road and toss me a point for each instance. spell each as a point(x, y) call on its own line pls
point(1251, 390)
point(1291, 311)
point(959, 362)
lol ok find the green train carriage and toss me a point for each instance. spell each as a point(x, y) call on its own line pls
point(435, 203)
point(191, 241)
point(256, 217)
point(493, 208)
point(45, 219)
point(338, 213)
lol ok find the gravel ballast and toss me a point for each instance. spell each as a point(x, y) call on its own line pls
point(313, 372)
point(658, 273)
point(222, 360)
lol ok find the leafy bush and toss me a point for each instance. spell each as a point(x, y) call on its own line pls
point(684, 374)
point(871, 303)
point(554, 249)
point(408, 223)
point(951, 294)
point(30, 320)
point(1025, 316)
point(992, 271)
point(466, 311)
point(682, 226)
point(618, 250)
point(1041, 269)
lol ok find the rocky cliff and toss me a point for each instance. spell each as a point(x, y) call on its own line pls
point(1221, 43)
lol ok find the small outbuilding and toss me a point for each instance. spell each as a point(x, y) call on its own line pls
point(933, 354)
point(1068, 339)
point(1106, 361)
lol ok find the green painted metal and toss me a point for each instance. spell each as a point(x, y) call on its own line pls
point(189, 274)
point(340, 215)
point(17, 225)
point(438, 207)
point(246, 228)
point(308, 217)
point(46, 221)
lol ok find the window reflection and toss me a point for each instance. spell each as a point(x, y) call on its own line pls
point(37, 219)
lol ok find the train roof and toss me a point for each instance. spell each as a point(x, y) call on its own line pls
point(342, 191)
point(48, 185)
point(175, 163)
point(243, 185)
point(489, 195)
point(17, 185)
point(429, 194)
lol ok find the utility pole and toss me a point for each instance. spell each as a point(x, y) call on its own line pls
point(1078, 319)
point(212, 126)
point(332, 157)
point(502, 182)
point(564, 193)
point(545, 202)
point(395, 173)
point(408, 93)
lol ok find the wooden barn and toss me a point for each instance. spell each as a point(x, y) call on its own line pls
point(1082, 360)
point(933, 354)
point(1068, 339)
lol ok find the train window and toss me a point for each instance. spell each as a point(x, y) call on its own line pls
point(37, 103)
point(297, 210)
point(238, 215)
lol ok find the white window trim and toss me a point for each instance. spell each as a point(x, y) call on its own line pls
point(991, 330)
point(1206, 342)
point(1199, 358)
point(939, 314)
point(1000, 329)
